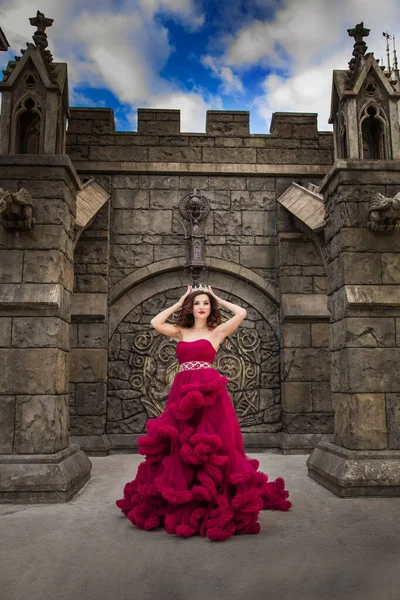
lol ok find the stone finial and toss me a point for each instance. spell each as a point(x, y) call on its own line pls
point(360, 47)
point(41, 22)
point(16, 209)
point(384, 213)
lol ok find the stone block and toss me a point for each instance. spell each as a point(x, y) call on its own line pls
point(296, 335)
point(169, 251)
point(390, 267)
point(301, 156)
point(259, 223)
point(366, 370)
point(361, 267)
point(320, 335)
point(227, 223)
point(230, 155)
point(296, 285)
point(89, 305)
point(227, 182)
point(296, 397)
point(393, 420)
point(88, 365)
point(253, 200)
point(11, 264)
point(91, 251)
point(7, 420)
point(306, 364)
point(92, 335)
point(360, 421)
point(131, 255)
point(151, 222)
point(224, 252)
point(363, 332)
point(158, 182)
point(229, 142)
point(90, 398)
point(87, 425)
point(321, 396)
point(5, 331)
point(125, 181)
point(117, 153)
point(305, 130)
point(299, 253)
point(36, 371)
point(48, 266)
point(130, 198)
point(40, 332)
point(85, 284)
point(307, 422)
point(231, 128)
point(175, 154)
point(259, 257)
point(304, 306)
point(164, 199)
point(41, 424)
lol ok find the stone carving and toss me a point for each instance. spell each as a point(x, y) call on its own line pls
point(194, 207)
point(142, 366)
point(384, 213)
point(16, 209)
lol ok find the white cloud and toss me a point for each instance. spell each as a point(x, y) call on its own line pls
point(301, 45)
point(122, 49)
point(230, 82)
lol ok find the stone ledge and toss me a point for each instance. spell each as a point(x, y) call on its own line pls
point(301, 443)
point(372, 295)
point(304, 306)
point(176, 168)
point(89, 305)
point(354, 473)
point(362, 172)
point(93, 445)
point(31, 299)
point(40, 160)
point(34, 479)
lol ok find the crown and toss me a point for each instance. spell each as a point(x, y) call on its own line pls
point(200, 288)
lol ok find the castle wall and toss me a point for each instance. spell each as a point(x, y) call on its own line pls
point(147, 174)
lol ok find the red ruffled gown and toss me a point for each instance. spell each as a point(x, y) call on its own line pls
point(196, 478)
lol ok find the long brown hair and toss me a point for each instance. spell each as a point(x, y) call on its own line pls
point(186, 319)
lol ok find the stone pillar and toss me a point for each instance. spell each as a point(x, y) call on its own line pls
point(37, 464)
point(364, 302)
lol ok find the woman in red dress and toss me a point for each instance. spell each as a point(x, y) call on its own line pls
point(196, 478)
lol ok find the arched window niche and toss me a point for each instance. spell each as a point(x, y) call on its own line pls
point(373, 133)
point(28, 127)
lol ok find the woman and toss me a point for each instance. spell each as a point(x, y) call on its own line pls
point(196, 477)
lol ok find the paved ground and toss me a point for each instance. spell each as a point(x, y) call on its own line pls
point(325, 548)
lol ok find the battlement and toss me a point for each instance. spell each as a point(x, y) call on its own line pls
point(294, 138)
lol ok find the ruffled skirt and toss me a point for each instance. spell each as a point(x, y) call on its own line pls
point(196, 478)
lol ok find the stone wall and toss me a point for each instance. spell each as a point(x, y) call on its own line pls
point(89, 330)
point(149, 172)
point(305, 358)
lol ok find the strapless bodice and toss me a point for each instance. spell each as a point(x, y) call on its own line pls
point(200, 350)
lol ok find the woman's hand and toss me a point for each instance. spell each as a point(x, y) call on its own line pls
point(217, 298)
point(182, 299)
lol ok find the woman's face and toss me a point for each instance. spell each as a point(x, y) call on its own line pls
point(201, 306)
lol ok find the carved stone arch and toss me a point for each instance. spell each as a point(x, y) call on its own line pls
point(27, 126)
point(373, 131)
point(142, 362)
point(144, 280)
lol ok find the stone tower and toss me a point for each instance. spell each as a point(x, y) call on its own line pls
point(39, 189)
point(34, 99)
point(364, 110)
point(362, 239)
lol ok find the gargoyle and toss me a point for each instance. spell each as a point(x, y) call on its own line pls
point(16, 209)
point(384, 213)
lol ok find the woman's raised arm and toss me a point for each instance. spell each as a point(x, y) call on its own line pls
point(159, 321)
point(239, 313)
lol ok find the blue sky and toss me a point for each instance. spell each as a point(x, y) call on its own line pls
point(195, 55)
